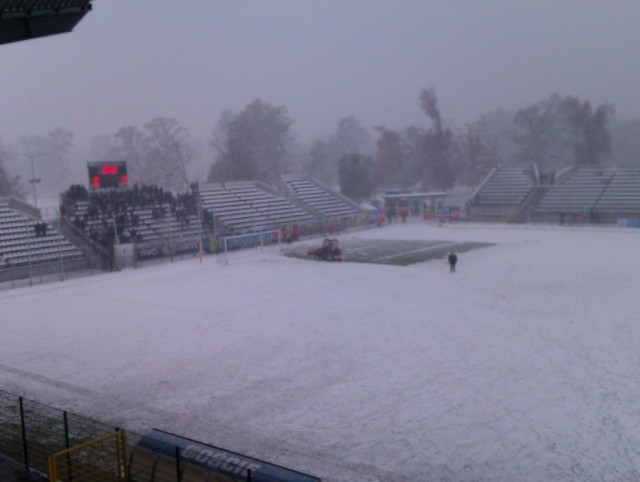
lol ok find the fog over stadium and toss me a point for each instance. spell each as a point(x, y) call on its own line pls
point(425, 116)
point(128, 62)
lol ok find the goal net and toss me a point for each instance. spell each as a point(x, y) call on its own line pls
point(251, 240)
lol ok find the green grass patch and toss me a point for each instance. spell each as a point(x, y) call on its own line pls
point(391, 252)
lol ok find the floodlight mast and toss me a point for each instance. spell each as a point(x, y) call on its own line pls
point(198, 204)
point(195, 188)
point(33, 181)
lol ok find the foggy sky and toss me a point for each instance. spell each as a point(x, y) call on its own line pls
point(129, 61)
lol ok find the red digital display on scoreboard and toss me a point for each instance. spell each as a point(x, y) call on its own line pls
point(110, 169)
point(107, 174)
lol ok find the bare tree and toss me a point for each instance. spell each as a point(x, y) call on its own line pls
point(233, 157)
point(355, 176)
point(479, 153)
point(9, 185)
point(390, 160)
point(168, 153)
point(625, 142)
point(557, 131)
point(593, 139)
point(130, 145)
point(253, 144)
point(49, 159)
point(320, 162)
point(436, 167)
point(349, 138)
point(268, 129)
point(158, 153)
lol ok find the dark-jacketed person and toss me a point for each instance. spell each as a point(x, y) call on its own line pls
point(453, 259)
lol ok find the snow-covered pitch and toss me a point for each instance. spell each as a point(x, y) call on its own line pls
point(524, 365)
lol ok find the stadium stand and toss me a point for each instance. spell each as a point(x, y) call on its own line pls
point(594, 194)
point(579, 193)
point(159, 223)
point(99, 226)
point(244, 206)
point(143, 215)
point(622, 195)
point(26, 240)
point(504, 192)
point(323, 201)
point(138, 223)
point(27, 19)
point(93, 224)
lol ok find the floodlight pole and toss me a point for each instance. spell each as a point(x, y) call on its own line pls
point(33, 179)
point(170, 242)
point(199, 208)
point(60, 247)
point(29, 234)
point(116, 245)
point(199, 227)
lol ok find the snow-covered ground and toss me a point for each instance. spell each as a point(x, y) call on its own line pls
point(522, 366)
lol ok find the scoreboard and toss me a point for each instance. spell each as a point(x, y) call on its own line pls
point(107, 174)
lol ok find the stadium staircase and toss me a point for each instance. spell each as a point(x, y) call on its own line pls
point(506, 194)
point(248, 206)
point(593, 194)
point(27, 243)
point(327, 205)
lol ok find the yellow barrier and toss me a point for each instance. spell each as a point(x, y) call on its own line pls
point(100, 460)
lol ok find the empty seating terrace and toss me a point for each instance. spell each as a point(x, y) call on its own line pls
point(622, 194)
point(508, 186)
point(243, 206)
point(580, 192)
point(322, 200)
point(21, 245)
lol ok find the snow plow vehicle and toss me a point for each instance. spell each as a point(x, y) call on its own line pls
point(329, 251)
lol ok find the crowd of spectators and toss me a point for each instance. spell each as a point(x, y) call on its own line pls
point(76, 193)
point(116, 200)
point(114, 212)
point(40, 228)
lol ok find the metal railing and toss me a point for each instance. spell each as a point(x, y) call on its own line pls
point(31, 431)
point(39, 443)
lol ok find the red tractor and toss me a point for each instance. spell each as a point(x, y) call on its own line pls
point(329, 251)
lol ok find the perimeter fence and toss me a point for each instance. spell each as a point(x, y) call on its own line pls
point(31, 432)
point(40, 443)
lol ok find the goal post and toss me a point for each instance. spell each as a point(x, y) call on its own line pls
point(249, 240)
point(99, 460)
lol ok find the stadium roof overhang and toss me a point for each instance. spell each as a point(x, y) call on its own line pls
point(27, 19)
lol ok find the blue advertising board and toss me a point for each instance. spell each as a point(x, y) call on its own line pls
point(629, 223)
point(218, 461)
